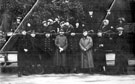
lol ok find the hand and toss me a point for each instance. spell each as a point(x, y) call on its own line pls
point(61, 49)
point(85, 49)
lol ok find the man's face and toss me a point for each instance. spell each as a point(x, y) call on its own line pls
point(85, 33)
point(18, 20)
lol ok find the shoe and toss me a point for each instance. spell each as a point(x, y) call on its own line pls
point(19, 74)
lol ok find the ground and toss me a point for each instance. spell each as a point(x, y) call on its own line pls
point(67, 79)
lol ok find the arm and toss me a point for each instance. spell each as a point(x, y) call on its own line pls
point(90, 44)
point(81, 46)
point(57, 41)
point(66, 44)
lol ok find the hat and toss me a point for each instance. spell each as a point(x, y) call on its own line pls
point(50, 20)
point(61, 30)
point(44, 21)
point(120, 28)
point(19, 17)
point(121, 19)
point(85, 30)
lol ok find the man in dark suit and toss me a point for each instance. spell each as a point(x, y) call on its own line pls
point(121, 51)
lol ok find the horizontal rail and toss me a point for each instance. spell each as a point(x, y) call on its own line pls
point(9, 52)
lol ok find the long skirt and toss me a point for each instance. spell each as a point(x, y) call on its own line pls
point(60, 58)
point(87, 59)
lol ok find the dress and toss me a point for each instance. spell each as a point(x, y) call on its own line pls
point(60, 58)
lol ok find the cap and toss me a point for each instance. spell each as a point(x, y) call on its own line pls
point(61, 30)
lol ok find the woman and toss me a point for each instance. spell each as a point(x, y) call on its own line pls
point(61, 44)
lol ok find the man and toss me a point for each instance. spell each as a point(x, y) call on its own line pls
point(86, 44)
point(24, 54)
point(122, 51)
point(73, 52)
point(61, 44)
point(48, 48)
point(45, 46)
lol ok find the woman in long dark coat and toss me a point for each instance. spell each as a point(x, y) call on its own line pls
point(61, 44)
point(86, 44)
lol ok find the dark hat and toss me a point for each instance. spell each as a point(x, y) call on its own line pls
point(61, 30)
point(121, 19)
point(50, 20)
point(84, 30)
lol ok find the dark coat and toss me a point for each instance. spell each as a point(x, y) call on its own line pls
point(60, 59)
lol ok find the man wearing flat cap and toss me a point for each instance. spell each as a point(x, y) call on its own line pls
point(86, 44)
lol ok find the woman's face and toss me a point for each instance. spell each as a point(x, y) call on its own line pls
point(61, 33)
point(47, 35)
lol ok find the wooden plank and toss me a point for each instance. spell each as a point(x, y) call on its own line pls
point(9, 52)
point(131, 62)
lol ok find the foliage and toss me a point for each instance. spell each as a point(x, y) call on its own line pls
point(65, 10)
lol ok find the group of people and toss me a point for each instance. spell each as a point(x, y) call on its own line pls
point(34, 50)
point(85, 44)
